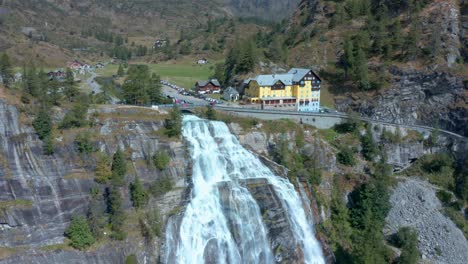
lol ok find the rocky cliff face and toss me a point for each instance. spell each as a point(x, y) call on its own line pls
point(40, 194)
point(416, 97)
point(415, 204)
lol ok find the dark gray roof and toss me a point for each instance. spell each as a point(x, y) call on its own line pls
point(215, 82)
point(230, 90)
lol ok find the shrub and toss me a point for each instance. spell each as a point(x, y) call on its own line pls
point(369, 148)
point(79, 233)
point(346, 157)
point(151, 224)
point(407, 240)
point(83, 143)
point(131, 259)
point(174, 123)
point(161, 160)
point(210, 113)
point(444, 196)
point(103, 170)
point(436, 163)
point(161, 186)
point(76, 117)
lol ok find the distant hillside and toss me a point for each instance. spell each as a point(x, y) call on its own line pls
point(271, 10)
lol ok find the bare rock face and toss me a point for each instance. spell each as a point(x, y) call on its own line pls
point(415, 204)
point(39, 194)
point(417, 97)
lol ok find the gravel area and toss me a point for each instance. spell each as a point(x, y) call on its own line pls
point(415, 204)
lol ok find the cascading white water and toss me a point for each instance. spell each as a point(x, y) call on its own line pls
point(222, 223)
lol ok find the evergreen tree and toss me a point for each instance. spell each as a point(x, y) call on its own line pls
point(53, 95)
point(219, 73)
point(349, 60)
point(247, 59)
point(369, 148)
point(31, 81)
point(435, 42)
point(174, 123)
point(43, 80)
point(42, 124)
point(397, 39)
point(412, 40)
point(361, 71)
point(138, 195)
point(120, 71)
point(119, 168)
point(210, 113)
point(79, 233)
point(154, 89)
point(161, 160)
point(95, 215)
point(103, 170)
point(48, 146)
point(116, 213)
point(6, 70)
point(70, 89)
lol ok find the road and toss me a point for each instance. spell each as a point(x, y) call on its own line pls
point(96, 87)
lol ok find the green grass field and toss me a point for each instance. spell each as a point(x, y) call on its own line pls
point(183, 73)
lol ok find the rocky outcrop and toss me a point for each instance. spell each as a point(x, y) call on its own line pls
point(416, 97)
point(39, 194)
point(415, 204)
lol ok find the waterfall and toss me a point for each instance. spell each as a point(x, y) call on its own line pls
point(223, 222)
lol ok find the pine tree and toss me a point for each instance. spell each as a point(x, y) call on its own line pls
point(210, 113)
point(6, 70)
point(120, 71)
point(397, 38)
point(31, 81)
point(174, 123)
point(43, 80)
point(412, 40)
point(79, 233)
point(119, 168)
point(138, 195)
point(116, 213)
point(348, 57)
point(42, 124)
point(70, 89)
point(361, 71)
point(154, 89)
point(48, 146)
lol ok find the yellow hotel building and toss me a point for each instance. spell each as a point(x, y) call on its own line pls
point(299, 87)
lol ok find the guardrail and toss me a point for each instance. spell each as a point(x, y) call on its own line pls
point(308, 114)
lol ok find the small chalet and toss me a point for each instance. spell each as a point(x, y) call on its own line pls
point(74, 65)
point(231, 94)
point(202, 61)
point(209, 86)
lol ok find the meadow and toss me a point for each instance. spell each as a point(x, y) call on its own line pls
point(183, 73)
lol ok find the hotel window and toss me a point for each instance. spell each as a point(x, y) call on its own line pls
point(302, 83)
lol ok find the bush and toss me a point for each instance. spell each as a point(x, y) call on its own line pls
point(79, 233)
point(174, 123)
point(436, 163)
point(151, 224)
point(161, 160)
point(444, 196)
point(131, 259)
point(346, 157)
point(407, 240)
point(83, 143)
point(210, 113)
point(369, 148)
point(76, 117)
point(160, 187)
point(103, 170)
